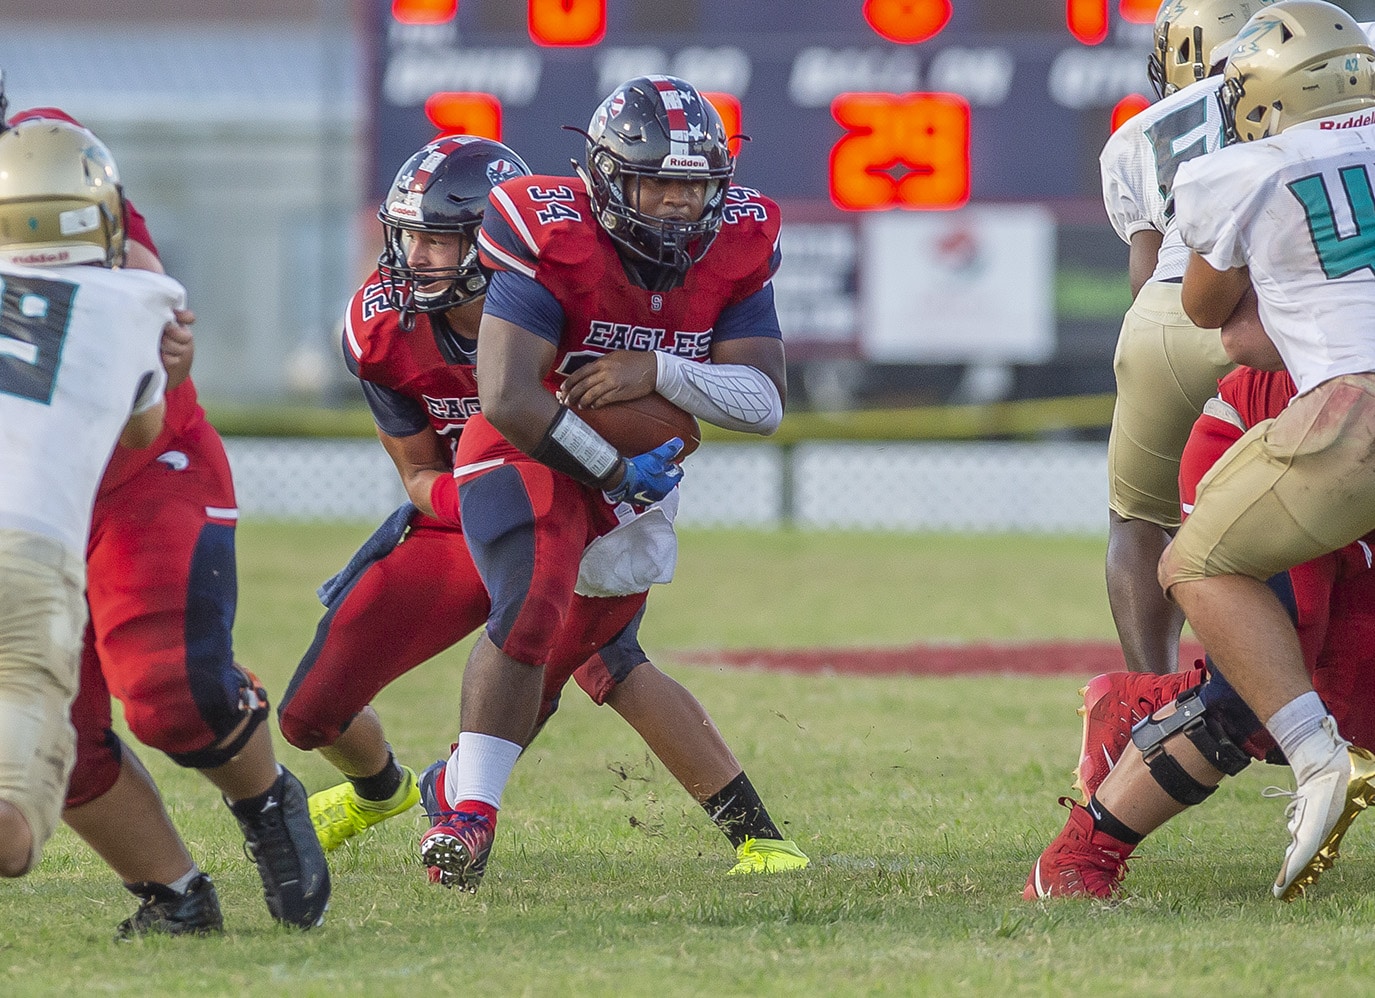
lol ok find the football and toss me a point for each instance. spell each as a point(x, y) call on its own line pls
point(642, 424)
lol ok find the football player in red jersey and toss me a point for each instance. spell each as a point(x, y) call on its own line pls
point(625, 279)
point(161, 589)
point(410, 337)
point(1178, 756)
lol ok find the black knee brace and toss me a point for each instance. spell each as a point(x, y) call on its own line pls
point(1190, 717)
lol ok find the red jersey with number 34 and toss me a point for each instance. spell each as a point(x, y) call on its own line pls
point(544, 227)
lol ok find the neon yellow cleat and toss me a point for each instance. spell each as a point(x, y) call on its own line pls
point(769, 856)
point(339, 814)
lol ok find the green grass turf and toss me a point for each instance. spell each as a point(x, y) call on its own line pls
point(922, 801)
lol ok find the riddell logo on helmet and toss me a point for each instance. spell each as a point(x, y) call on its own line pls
point(38, 258)
point(1357, 120)
point(674, 162)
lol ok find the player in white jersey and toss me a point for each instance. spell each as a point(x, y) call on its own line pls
point(79, 370)
point(1166, 368)
point(1289, 212)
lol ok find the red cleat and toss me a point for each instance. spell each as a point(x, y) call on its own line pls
point(1114, 703)
point(1080, 862)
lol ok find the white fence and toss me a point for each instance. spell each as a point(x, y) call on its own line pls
point(1058, 488)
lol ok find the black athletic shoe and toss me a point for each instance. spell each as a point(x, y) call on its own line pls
point(165, 912)
point(281, 840)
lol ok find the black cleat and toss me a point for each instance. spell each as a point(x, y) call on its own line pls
point(165, 912)
point(282, 841)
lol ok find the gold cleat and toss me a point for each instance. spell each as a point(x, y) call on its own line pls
point(1324, 791)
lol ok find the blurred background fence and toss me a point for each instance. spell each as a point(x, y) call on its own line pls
point(1054, 487)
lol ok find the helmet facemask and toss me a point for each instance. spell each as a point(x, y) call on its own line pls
point(406, 286)
point(1165, 76)
point(664, 242)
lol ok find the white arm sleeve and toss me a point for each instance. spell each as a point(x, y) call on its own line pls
point(735, 396)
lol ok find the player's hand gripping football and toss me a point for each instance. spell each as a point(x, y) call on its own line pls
point(650, 476)
point(617, 377)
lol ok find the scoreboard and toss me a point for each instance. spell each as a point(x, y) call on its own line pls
point(850, 105)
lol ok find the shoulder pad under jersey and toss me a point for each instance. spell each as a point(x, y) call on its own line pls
point(747, 247)
point(370, 324)
point(530, 219)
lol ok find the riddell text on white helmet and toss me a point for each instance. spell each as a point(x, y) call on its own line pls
point(677, 162)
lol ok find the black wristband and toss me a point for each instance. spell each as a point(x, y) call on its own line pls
point(571, 446)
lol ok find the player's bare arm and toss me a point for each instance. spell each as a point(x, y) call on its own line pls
point(1245, 339)
point(1210, 296)
point(143, 427)
point(420, 459)
point(1142, 256)
point(140, 257)
point(511, 365)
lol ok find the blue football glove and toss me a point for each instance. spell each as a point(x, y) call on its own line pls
point(651, 476)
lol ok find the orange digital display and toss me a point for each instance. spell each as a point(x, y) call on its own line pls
point(1127, 108)
point(1087, 20)
point(728, 107)
point(455, 113)
point(1138, 11)
point(907, 22)
point(563, 23)
point(424, 11)
point(900, 151)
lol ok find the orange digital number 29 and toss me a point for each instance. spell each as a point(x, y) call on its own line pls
point(900, 151)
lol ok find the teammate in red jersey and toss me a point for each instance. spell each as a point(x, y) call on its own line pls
point(161, 589)
point(623, 280)
point(1173, 758)
point(410, 338)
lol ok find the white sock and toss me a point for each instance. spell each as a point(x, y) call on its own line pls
point(181, 883)
point(479, 768)
point(1306, 742)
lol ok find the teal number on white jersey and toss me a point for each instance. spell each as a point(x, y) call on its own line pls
point(1340, 255)
point(34, 314)
point(1165, 135)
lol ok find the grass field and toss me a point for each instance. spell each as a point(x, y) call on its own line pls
point(922, 802)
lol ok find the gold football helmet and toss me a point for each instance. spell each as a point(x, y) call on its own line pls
point(60, 198)
point(1186, 32)
point(1293, 62)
